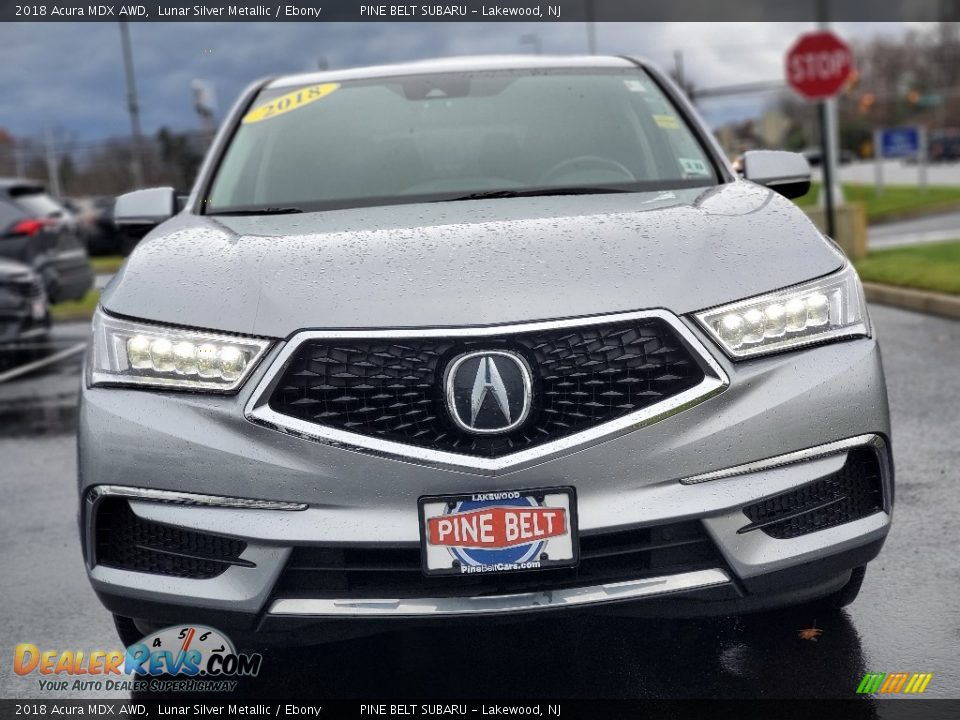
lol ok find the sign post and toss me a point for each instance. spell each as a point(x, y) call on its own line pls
point(922, 159)
point(878, 160)
point(818, 66)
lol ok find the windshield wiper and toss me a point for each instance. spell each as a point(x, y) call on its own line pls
point(261, 211)
point(537, 192)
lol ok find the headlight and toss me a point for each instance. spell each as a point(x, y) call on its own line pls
point(832, 307)
point(133, 353)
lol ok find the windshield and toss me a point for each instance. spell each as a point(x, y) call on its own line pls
point(456, 136)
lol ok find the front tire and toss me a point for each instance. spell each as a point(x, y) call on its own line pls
point(848, 593)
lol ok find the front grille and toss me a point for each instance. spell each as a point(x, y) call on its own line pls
point(128, 542)
point(31, 288)
point(25, 287)
point(393, 389)
point(358, 572)
point(851, 493)
point(15, 295)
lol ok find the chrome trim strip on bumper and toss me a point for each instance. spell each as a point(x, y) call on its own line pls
point(258, 408)
point(99, 492)
point(185, 498)
point(831, 448)
point(544, 600)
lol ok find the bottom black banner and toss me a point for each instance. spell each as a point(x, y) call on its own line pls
point(922, 709)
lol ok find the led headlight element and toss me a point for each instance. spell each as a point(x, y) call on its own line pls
point(133, 353)
point(832, 307)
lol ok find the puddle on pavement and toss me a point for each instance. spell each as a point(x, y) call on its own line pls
point(42, 402)
point(47, 416)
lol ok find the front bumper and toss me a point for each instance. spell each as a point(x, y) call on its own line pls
point(22, 322)
point(774, 406)
point(15, 332)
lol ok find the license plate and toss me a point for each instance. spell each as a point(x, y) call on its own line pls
point(39, 309)
point(497, 532)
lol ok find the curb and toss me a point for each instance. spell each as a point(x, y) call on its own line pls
point(70, 317)
point(910, 299)
point(908, 214)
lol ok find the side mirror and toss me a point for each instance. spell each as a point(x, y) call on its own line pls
point(784, 172)
point(138, 212)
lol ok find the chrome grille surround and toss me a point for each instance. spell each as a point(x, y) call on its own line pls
point(258, 409)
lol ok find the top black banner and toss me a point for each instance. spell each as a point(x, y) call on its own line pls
point(481, 10)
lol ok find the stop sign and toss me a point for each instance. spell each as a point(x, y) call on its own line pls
point(818, 65)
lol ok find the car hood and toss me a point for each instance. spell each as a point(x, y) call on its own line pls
point(478, 262)
point(13, 270)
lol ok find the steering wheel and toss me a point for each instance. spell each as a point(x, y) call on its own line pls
point(564, 166)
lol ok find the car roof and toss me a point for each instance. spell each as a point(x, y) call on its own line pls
point(7, 182)
point(456, 64)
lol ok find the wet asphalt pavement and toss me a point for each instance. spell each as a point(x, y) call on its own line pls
point(907, 618)
point(925, 229)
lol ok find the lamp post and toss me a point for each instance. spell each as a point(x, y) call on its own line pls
point(133, 107)
point(205, 103)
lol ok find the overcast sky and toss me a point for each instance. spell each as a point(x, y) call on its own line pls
point(69, 77)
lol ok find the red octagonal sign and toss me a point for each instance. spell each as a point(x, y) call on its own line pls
point(819, 65)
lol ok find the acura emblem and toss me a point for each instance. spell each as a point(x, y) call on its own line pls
point(489, 391)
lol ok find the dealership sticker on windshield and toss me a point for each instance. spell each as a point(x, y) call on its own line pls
point(496, 532)
point(290, 101)
point(692, 166)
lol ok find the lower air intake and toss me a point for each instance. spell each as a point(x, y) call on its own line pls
point(853, 492)
point(129, 542)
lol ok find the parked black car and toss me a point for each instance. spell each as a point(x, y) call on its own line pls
point(37, 231)
point(95, 219)
point(944, 145)
point(24, 314)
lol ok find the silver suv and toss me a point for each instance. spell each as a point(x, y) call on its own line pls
point(478, 338)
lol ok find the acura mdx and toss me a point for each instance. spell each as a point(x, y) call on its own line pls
point(473, 339)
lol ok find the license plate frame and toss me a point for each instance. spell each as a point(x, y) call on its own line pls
point(516, 557)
